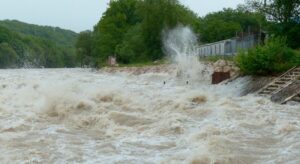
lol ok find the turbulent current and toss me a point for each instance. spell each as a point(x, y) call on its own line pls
point(163, 114)
point(84, 116)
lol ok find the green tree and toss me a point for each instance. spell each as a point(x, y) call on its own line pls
point(283, 17)
point(158, 15)
point(84, 48)
point(216, 30)
point(60, 36)
point(227, 23)
point(132, 29)
point(115, 22)
point(132, 49)
point(8, 56)
point(23, 49)
point(282, 11)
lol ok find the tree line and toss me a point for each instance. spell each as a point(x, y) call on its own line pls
point(131, 30)
point(276, 54)
point(25, 45)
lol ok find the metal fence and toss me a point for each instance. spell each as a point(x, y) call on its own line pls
point(228, 46)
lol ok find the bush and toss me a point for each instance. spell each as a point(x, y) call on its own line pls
point(273, 57)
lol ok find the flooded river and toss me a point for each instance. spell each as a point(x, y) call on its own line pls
point(83, 116)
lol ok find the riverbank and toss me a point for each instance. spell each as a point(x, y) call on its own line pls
point(251, 84)
point(141, 69)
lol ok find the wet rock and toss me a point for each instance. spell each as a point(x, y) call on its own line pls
point(221, 68)
point(218, 69)
point(222, 63)
point(227, 69)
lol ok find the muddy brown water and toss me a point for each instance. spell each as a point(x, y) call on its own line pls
point(81, 116)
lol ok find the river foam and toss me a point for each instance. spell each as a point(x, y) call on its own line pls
point(81, 116)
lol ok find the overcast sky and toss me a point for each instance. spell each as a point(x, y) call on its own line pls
point(79, 15)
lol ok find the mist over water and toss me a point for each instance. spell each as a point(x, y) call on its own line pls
point(181, 44)
point(84, 116)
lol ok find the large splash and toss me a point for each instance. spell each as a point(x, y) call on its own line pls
point(181, 44)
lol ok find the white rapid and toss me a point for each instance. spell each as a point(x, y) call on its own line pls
point(80, 116)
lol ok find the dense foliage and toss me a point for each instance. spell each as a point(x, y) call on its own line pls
point(84, 49)
point(21, 48)
point(283, 18)
point(229, 23)
point(273, 57)
point(132, 29)
point(8, 57)
point(283, 21)
point(54, 34)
